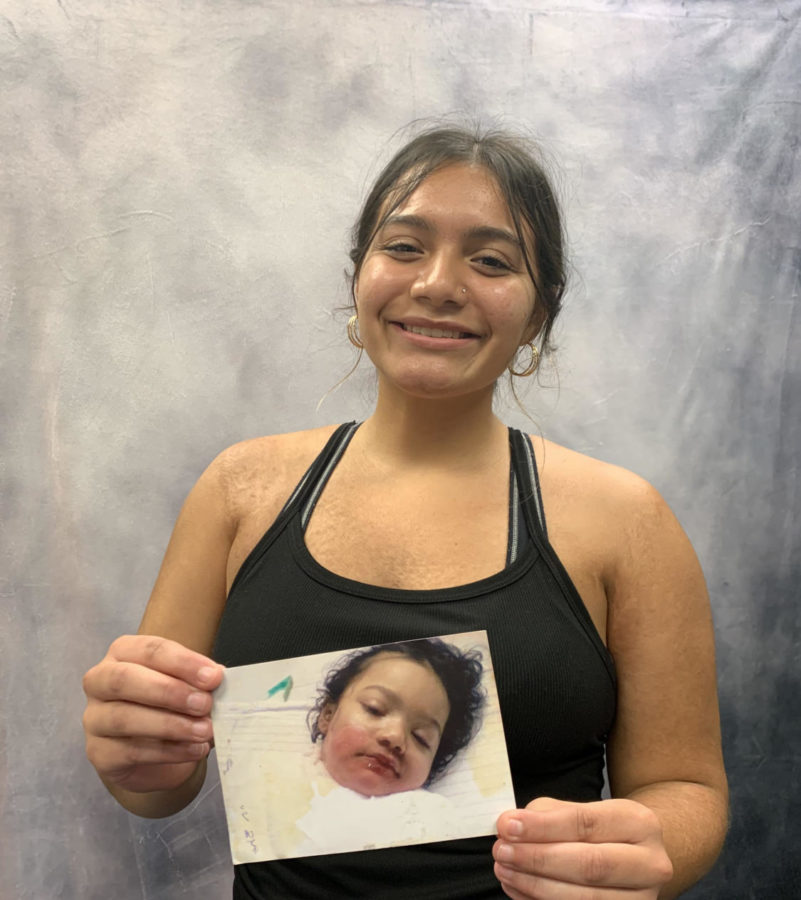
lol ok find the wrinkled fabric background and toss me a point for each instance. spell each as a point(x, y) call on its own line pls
point(178, 181)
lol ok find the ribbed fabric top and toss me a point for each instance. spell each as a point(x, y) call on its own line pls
point(555, 678)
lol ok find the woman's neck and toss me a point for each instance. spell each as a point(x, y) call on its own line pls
point(411, 431)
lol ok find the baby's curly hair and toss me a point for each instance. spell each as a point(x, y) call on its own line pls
point(460, 674)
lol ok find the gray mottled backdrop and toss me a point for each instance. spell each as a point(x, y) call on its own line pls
point(177, 183)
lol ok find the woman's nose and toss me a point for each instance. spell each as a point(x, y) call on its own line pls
point(437, 281)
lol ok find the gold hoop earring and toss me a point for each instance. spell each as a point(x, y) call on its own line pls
point(532, 364)
point(353, 332)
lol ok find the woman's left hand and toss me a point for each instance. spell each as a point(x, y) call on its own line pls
point(555, 850)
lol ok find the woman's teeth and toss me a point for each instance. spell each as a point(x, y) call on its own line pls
point(435, 332)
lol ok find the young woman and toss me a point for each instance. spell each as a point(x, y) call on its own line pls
point(431, 517)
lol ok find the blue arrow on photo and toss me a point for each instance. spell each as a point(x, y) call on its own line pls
point(284, 685)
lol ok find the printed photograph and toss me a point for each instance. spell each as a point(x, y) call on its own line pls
point(372, 747)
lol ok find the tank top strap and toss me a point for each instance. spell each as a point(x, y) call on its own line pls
point(515, 541)
point(308, 488)
point(308, 491)
point(525, 501)
point(315, 477)
point(527, 487)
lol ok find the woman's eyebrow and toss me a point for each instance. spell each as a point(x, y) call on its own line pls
point(408, 219)
point(491, 233)
point(398, 701)
point(481, 232)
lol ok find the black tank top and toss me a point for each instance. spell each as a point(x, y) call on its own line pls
point(555, 679)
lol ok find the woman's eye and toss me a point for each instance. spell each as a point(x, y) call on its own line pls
point(401, 247)
point(373, 710)
point(422, 741)
point(492, 262)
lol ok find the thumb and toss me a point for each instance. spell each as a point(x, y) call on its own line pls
point(546, 804)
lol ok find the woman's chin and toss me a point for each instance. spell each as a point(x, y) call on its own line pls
point(434, 386)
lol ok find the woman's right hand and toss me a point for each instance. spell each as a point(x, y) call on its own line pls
point(147, 718)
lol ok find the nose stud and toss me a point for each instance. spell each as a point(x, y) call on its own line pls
point(464, 290)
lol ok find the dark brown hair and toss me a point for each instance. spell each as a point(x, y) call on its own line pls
point(516, 165)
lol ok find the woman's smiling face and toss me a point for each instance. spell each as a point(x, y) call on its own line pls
point(382, 736)
point(443, 295)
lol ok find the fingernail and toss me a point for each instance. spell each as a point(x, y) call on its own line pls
point(504, 852)
point(503, 873)
point(514, 827)
point(206, 673)
point(200, 729)
point(196, 702)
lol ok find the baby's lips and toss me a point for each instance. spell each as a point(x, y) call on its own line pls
point(379, 762)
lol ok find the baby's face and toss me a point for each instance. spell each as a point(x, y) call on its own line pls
point(383, 734)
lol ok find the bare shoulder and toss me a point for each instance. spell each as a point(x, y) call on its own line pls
point(622, 512)
point(573, 475)
point(256, 478)
point(265, 470)
point(611, 523)
point(233, 502)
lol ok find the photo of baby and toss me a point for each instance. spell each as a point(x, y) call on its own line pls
point(380, 746)
point(391, 718)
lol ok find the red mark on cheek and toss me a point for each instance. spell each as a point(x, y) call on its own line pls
point(344, 742)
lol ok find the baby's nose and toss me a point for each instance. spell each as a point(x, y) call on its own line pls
point(392, 736)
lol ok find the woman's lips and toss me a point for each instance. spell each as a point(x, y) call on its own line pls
point(435, 337)
point(437, 331)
